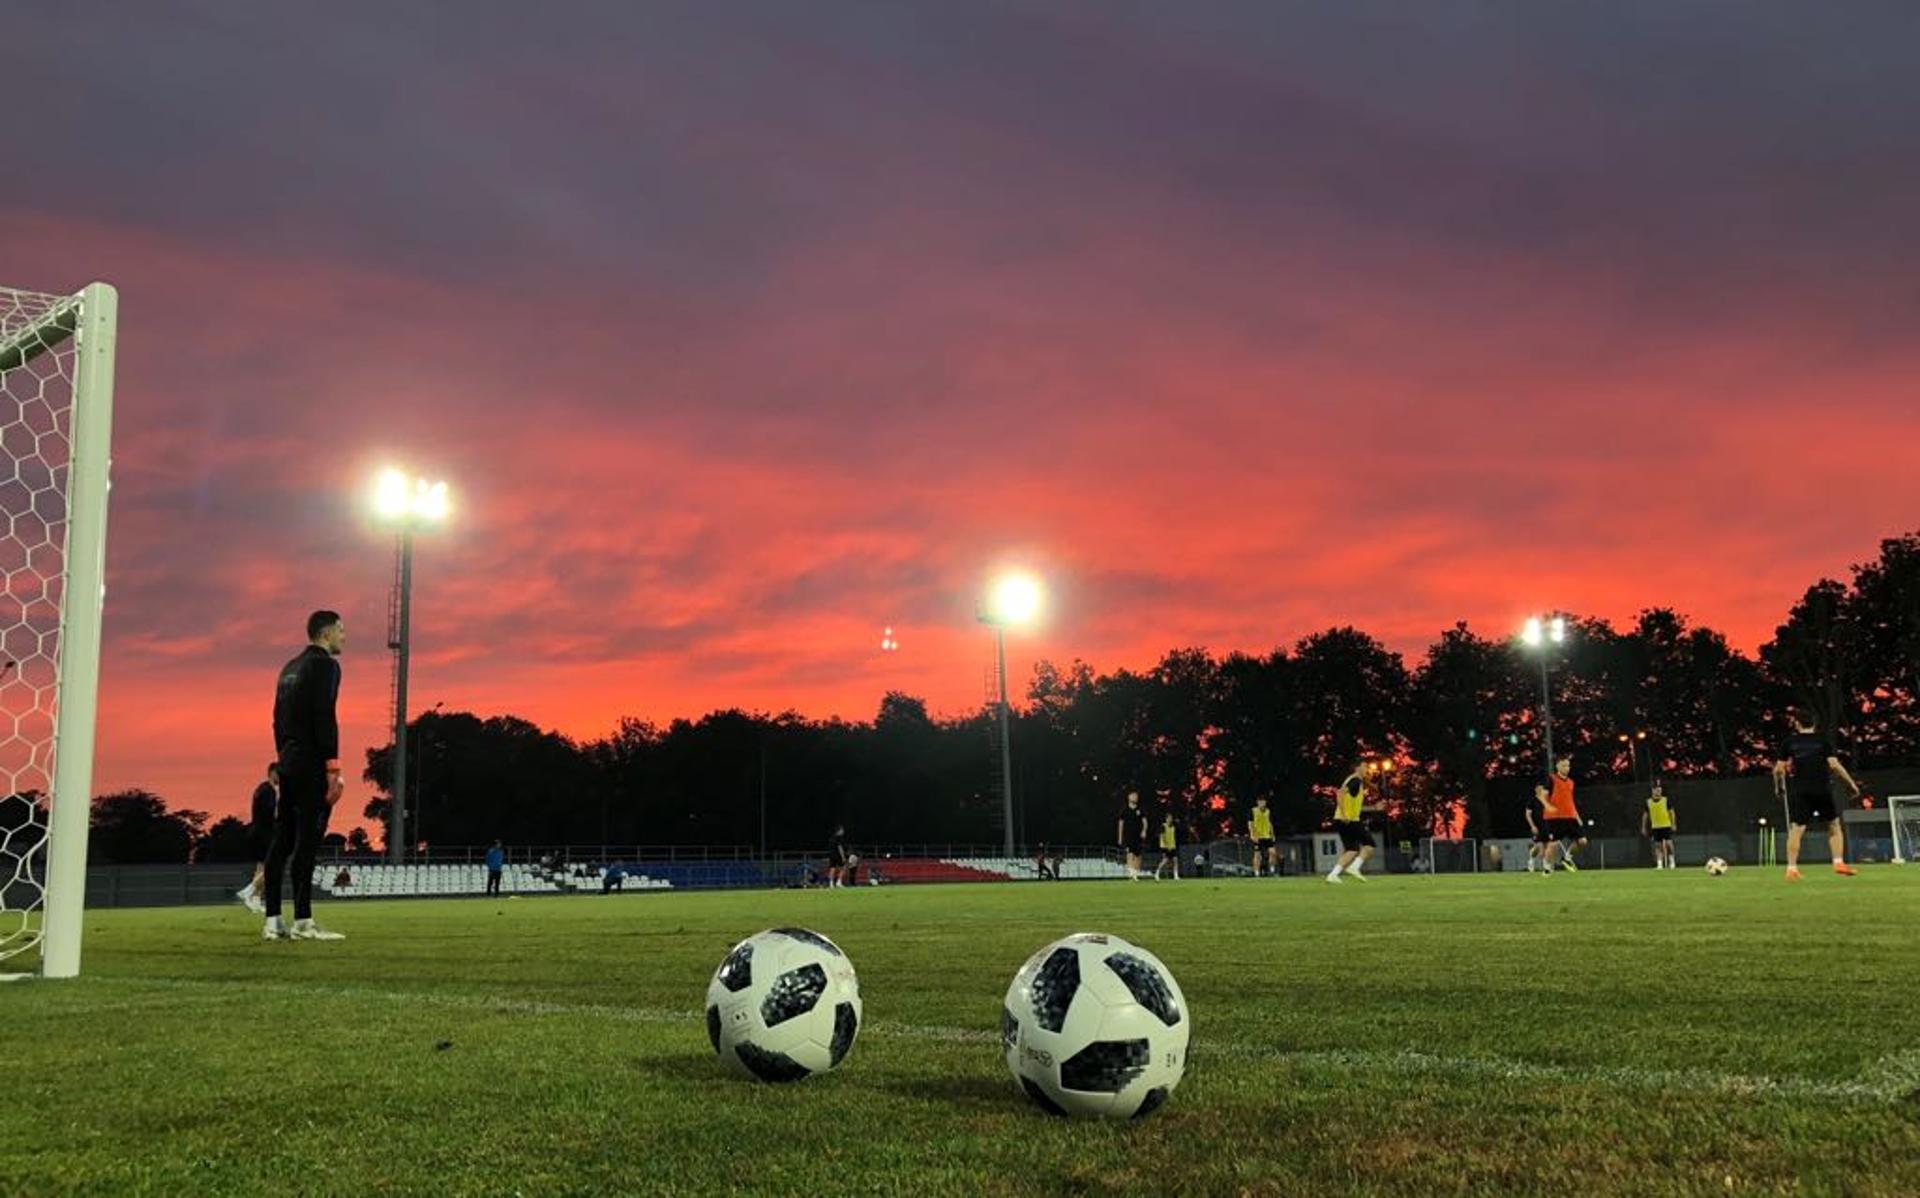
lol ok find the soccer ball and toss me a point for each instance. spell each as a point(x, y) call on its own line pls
point(1095, 1026)
point(784, 1005)
point(1716, 866)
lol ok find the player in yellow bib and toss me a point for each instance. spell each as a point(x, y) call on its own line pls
point(1656, 824)
point(1266, 858)
point(1169, 848)
point(1356, 843)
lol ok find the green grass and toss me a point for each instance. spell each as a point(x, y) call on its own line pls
point(1629, 1033)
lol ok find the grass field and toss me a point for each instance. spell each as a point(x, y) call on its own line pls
point(1623, 1032)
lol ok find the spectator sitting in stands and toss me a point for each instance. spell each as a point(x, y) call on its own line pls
point(613, 878)
point(342, 880)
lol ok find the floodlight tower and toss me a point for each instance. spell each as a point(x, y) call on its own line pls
point(1538, 633)
point(407, 504)
point(1013, 601)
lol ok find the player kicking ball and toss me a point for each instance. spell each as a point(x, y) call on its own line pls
point(1356, 843)
point(1656, 824)
point(1803, 775)
point(1564, 829)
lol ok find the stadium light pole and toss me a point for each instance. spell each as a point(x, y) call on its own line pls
point(1537, 634)
point(1013, 601)
point(1633, 744)
point(407, 504)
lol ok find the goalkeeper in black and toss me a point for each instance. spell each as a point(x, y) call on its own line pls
point(306, 733)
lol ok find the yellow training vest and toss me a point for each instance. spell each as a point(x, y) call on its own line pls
point(1262, 823)
point(1346, 805)
point(1658, 815)
point(1166, 837)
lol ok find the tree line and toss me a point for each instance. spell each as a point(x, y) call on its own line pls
point(1198, 734)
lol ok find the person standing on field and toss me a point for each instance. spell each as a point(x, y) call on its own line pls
point(496, 864)
point(1131, 831)
point(260, 839)
point(1657, 825)
point(306, 731)
point(1266, 858)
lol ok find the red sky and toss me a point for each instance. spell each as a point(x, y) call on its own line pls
point(742, 336)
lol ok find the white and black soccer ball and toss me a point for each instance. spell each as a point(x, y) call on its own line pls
point(784, 1005)
point(1716, 866)
point(1095, 1026)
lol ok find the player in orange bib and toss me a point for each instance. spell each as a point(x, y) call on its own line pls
point(1564, 829)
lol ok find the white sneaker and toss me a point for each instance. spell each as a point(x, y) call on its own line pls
point(306, 929)
point(273, 929)
point(1356, 875)
point(1334, 878)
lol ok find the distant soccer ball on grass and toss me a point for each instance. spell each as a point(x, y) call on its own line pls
point(784, 1005)
point(1716, 866)
point(1095, 1026)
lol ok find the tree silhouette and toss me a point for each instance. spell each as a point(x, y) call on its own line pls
point(134, 827)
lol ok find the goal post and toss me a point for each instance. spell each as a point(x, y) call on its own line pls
point(1449, 855)
point(1903, 821)
point(56, 423)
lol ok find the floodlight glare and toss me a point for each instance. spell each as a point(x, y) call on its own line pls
point(1534, 632)
point(430, 501)
point(390, 494)
point(1558, 629)
point(402, 499)
point(1015, 600)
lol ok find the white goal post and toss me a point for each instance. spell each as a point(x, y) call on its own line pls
point(1903, 820)
point(1448, 855)
point(56, 418)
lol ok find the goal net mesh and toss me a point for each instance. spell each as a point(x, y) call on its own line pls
point(1903, 813)
point(1440, 856)
point(37, 368)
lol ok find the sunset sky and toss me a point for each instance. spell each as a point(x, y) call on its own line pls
point(743, 331)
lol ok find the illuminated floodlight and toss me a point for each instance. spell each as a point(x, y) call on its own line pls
point(1538, 631)
point(1014, 601)
point(402, 499)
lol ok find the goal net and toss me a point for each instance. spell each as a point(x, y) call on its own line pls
point(56, 388)
point(1441, 856)
point(1903, 814)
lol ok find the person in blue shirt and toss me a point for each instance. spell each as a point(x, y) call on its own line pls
point(611, 880)
point(496, 861)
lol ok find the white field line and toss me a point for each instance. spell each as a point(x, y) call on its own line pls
point(1894, 1078)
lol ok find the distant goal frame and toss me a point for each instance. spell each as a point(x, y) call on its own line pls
point(1907, 852)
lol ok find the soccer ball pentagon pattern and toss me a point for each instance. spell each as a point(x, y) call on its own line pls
point(784, 1005)
point(1095, 1026)
point(1716, 866)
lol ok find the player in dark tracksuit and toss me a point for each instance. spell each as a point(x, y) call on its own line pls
point(306, 731)
point(260, 838)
